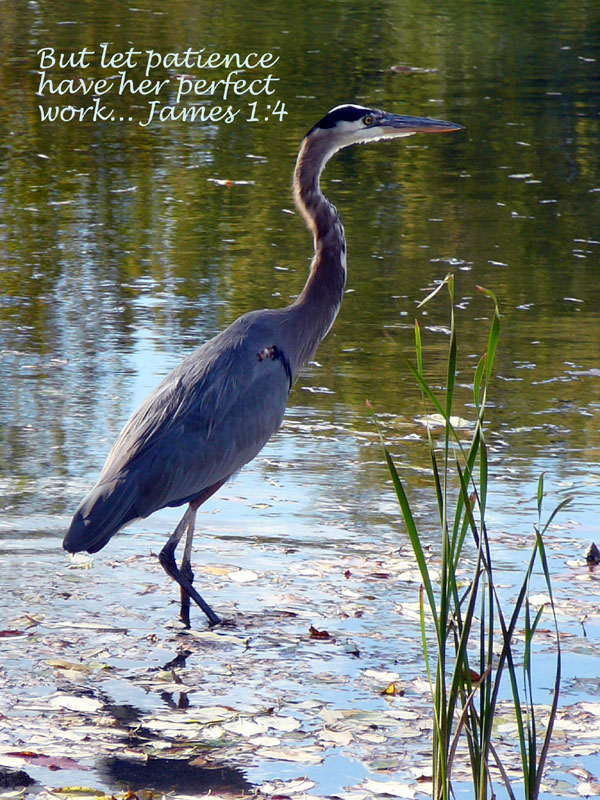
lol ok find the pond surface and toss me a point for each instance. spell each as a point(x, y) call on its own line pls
point(123, 246)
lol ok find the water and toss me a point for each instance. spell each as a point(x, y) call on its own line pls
point(122, 247)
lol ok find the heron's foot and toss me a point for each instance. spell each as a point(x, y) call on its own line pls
point(167, 560)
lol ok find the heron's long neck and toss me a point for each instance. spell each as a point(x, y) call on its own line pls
point(319, 301)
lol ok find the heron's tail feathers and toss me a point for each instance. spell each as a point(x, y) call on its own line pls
point(106, 509)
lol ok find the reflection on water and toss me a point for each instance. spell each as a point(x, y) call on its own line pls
point(173, 775)
point(123, 247)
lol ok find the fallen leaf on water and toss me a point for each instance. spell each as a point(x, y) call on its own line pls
point(285, 788)
point(588, 789)
point(243, 576)
point(300, 755)
point(217, 638)
point(5, 634)
point(266, 741)
point(381, 675)
point(245, 727)
point(592, 708)
point(280, 723)
point(50, 762)
point(298, 785)
point(60, 663)
point(337, 738)
point(316, 634)
point(216, 569)
point(75, 703)
point(86, 626)
point(392, 788)
point(394, 690)
point(212, 733)
point(374, 738)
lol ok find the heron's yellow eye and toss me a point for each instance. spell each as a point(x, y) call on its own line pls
point(368, 120)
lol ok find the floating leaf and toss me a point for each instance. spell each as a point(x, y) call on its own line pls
point(391, 788)
point(301, 755)
point(337, 738)
point(245, 727)
point(49, 762)
point(75, 703)
point(243, 576)
point(280, 723)
point(217, 638)
point(316, 634)
point(60, 663)
point(393, 689)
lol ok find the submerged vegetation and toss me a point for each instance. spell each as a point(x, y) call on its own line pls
point(478, 643)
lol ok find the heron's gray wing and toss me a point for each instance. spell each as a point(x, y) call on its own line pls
point(210, 416)
point(220, 424)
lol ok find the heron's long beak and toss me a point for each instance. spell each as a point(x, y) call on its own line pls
point(397, 122)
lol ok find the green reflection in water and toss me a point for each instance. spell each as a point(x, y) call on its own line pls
point(120, 250)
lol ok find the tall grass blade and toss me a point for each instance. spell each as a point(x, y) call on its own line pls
point(413, 534)
point(465, 700)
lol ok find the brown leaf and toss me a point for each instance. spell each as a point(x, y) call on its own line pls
point(50, 762)
point(315, 634)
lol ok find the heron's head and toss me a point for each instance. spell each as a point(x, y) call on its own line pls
point(352, 124)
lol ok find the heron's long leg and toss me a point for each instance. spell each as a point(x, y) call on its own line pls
point(184, 576)
point(186, 567)
point(167, 559)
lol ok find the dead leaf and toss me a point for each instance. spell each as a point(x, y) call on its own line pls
point(49, 762)
point(280, 723)
point(245, 727)
point(394, 690)
point(75, 703)
point(243, 576)
point(300, 755)
point(588, 789)
point(337, 738)
point(391, 788)
point(316, 634)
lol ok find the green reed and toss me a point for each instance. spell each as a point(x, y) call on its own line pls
point(475, 643)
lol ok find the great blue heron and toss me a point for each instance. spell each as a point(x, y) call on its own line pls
point(217, 409)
